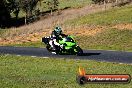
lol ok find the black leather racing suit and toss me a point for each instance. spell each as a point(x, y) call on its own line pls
point(54, 39)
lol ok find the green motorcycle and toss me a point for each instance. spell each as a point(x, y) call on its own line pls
point(69, 46)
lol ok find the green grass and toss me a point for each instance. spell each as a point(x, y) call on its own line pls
point(29, 44)
point(73, 3)
point(110, 17)
point(28, 72)
point(68, 3)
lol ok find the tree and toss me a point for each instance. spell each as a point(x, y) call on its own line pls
point(13, 7)
point(28, 6)
point(4, 14)
point(52, 5)
point(98, 1)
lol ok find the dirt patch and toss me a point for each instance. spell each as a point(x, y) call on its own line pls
point(85, 30)
point(34, 37)
point(123, 26)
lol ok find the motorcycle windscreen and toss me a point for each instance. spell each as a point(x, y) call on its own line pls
point(67, 39)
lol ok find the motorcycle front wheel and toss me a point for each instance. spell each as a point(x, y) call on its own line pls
point(79, 51)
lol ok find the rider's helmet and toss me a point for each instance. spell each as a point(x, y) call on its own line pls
point(58, 30)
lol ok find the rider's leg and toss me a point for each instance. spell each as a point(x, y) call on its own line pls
point(51, 42)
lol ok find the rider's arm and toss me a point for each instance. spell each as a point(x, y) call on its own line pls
point(53, 37)
point(55, 42)
point(63, 35)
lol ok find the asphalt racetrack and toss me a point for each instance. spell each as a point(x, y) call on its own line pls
point(98, 55)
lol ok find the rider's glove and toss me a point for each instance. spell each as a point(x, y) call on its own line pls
point(62, 46)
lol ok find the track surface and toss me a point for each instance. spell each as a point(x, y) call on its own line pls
point(99, 55)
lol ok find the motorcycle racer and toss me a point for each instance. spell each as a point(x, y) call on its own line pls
point(55, 36)
point(59, 43)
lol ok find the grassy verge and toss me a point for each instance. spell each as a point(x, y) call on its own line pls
point(30, 72)
point(110, 39)
point(110, 17)
point(29, 44)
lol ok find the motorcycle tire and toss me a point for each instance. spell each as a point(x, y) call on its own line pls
point(79, 51)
